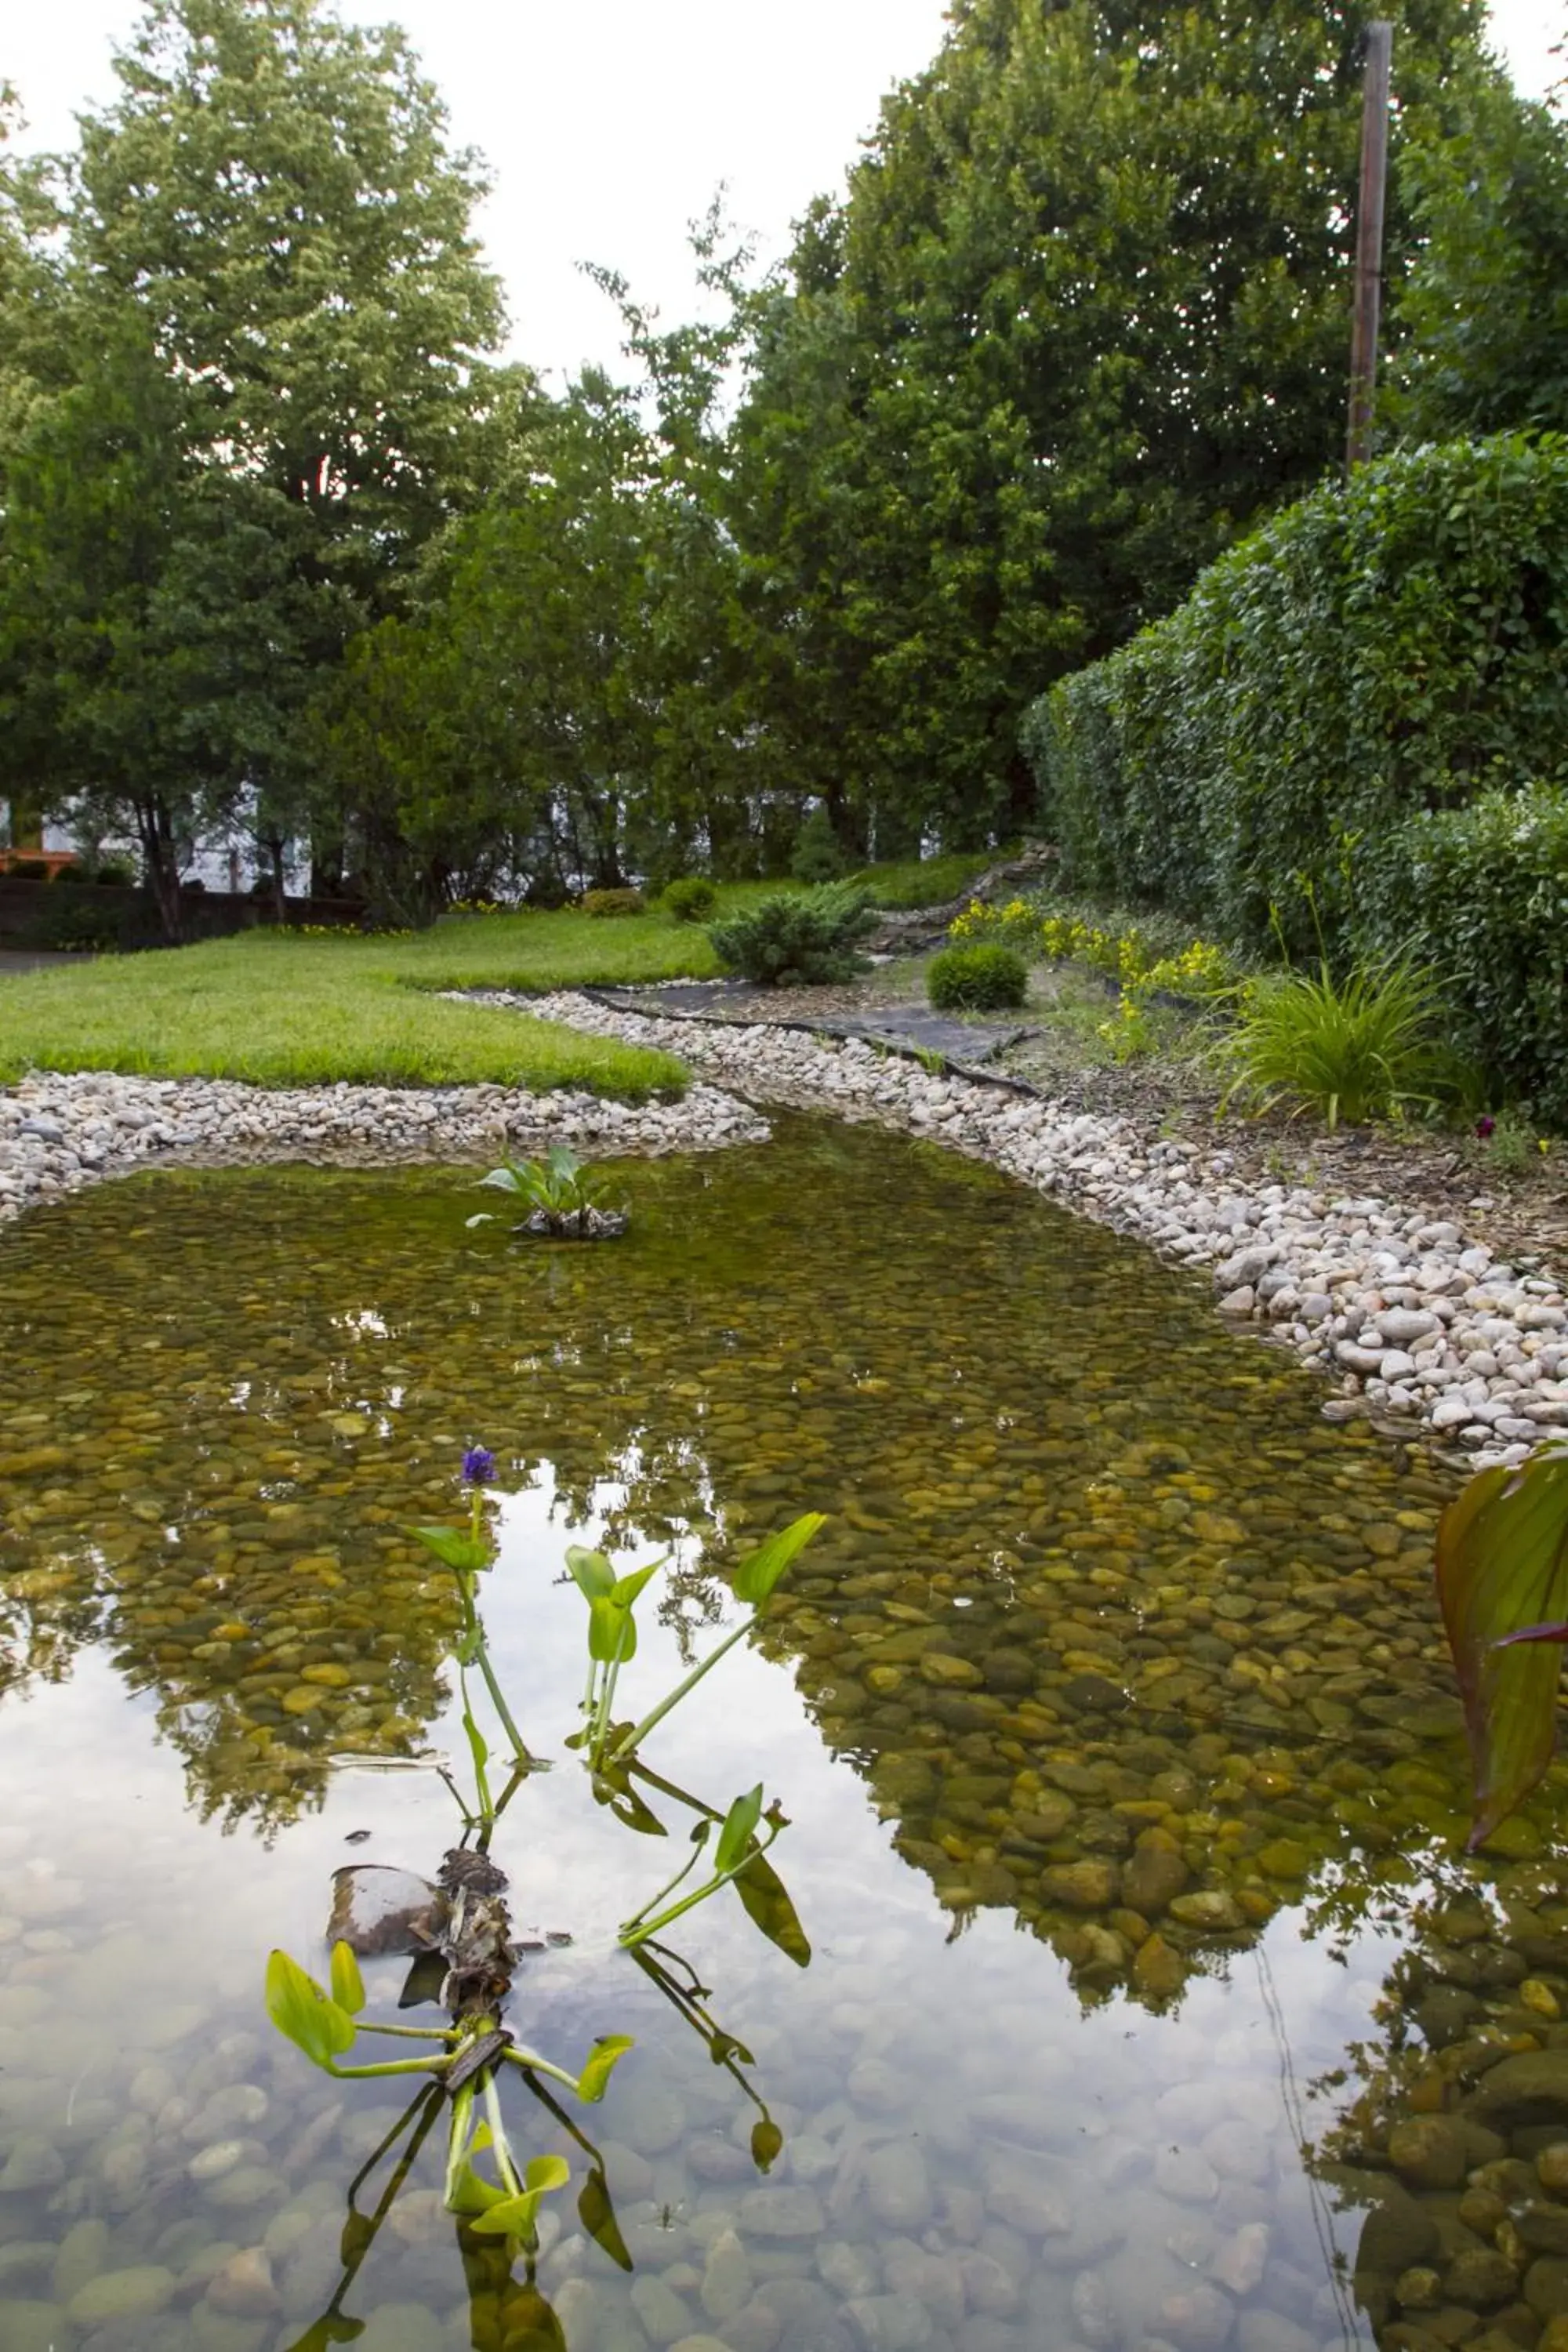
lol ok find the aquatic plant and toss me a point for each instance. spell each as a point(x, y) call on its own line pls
point(468, 1552)
point(558, 1189)
point(1502, 1580)
point(460, 1925)
point(613, 1639)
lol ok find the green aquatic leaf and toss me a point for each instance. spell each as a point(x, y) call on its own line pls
point(348, 1985)
point(761, 1569)
point(597, 2215)
point(470, 2192)
point(767, 2140)
point(740, 1828)
point(612, 1632)
point(542, 2173)
point(768, 1906)
point(628, 1587)
point(509, 2217)
point(456, 1548)
point(304, 2014)
point(591, 1572)
point(613, 1786)
point(479, 1746)
point(358, 2237)
point(602, 2062)
point(1502, 1573)
point(722, 2047)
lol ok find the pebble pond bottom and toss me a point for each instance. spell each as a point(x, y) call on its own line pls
point(1151, 2002)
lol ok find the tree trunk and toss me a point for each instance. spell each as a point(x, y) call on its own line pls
point(848, 822)
point(271, 846)
point(155, 828)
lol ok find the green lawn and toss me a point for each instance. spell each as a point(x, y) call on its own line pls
point(285, 1012)
point(280, 1009)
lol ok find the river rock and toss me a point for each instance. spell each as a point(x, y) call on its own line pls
point(892, 2323)
point(782, 2212)
point(898, 2186)
point(1091, 1884)
point(139, 2293)
point(1196, 2318)
point(663, 2315)
point(244, 2288)
point(727, 2278)
point(1429, 2151)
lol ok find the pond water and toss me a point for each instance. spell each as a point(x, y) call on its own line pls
point(1150, 1999)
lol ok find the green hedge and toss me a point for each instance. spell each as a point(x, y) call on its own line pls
point(1384, 651)
point(1481, 893)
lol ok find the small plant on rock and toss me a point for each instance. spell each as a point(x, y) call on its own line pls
point(562, 1198)
point(977, 980)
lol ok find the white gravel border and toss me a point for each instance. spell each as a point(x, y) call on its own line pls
point(1413, 1320)
point(58, 1133)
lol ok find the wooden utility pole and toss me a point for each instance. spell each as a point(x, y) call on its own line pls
point(1369, 241)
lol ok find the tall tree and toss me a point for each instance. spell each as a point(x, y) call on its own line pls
point(271, 214)
point(1083, 315)
point(1486, 307)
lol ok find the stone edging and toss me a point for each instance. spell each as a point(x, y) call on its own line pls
point(58, 1133)
point(1416, 1322)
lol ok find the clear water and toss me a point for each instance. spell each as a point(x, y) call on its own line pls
point(1106, 1620)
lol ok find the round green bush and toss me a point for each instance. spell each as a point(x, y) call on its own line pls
point(613, 902)
point(977, 980)
point(691, 900)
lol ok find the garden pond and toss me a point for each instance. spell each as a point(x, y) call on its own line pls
point(1151, 1998)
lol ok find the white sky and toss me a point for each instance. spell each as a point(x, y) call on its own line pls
point(608, 128)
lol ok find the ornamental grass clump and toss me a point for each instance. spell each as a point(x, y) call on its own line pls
point(1364, 1047)
point(977, 980)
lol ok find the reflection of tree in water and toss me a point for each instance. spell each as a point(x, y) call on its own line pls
point(1437, 2125)
point(1083, 1542)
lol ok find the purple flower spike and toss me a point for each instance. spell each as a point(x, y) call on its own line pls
point(479, 1467)
point(1486, 1125)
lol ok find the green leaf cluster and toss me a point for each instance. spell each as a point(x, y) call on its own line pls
point(801, 938)
point(1332, 738)
point(987, 979)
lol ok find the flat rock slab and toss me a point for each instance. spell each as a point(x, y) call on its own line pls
point(909, 1026)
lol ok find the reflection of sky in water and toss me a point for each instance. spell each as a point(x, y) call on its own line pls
point(968, 1439)
point(185, 1915)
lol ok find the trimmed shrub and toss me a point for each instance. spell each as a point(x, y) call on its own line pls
point(613, 902)
point(691, 900)
point(804, 937)
point(817, 857)
point(1385, 649)
point(976, 980)
point(1482, 892)
point(28, 870)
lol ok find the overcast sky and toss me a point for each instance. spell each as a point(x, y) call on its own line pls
point(607, 129)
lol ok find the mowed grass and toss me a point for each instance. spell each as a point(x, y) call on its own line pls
point(280, 1010)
